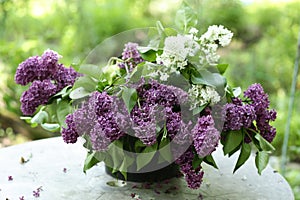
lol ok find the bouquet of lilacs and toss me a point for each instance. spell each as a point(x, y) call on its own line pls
point(167, 102)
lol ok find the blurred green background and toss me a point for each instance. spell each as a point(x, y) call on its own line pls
point(263, 50)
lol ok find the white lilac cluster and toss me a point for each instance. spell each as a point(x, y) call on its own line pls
point(219, 33)
point(175, 54)
point(210, 40)
point(201, 95)
point(178, 49)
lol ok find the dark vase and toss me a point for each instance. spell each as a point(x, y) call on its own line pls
point(167, 172)
point(154, 171)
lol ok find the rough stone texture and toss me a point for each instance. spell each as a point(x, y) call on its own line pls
point(47, 159)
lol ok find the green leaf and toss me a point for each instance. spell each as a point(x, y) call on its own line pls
point(210, 160)
point(155, 38)
point(198, 109)
point(215, 79)
point(110, 72)
point(164, 136)
point(139, 146)
point(87, 144)
point(233, 140)
point(165, 150)
point(236, 91)
point(263, 143)
point(27, 119)
point(79, 93)
point(51, 127)
point(116, 153)
point(143, 159)
point(64, 92)
point(196, 161)
point(261, 160)
point(143, 70)
point(185, 18)
point(90, 70)
point(234, 150)
point(205, 77)
point(127, 162)
point(149, 55)
point(129, 96)
point(222, 68)
point(244, 155)
point(199, 80)
point(92, 159)
point(40, 117)
point(86, 82)
point(62, 110)
point(146, 156)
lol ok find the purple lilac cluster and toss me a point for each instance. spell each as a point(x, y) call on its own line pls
point(47, 77)
point(164, 95)
point(261, 103)
point(205, 136)
point(131, 56)
point(144, 123)
point(70, 134)
point(192, 176)
point(239, 114)
point(173, 122)
point(38, 94)
point(64, 76)
point(96, 118)
point(157, 103)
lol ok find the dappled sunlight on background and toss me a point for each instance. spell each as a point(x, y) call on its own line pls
point(263, 49)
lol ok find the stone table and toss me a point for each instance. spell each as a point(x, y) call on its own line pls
point(52, 170)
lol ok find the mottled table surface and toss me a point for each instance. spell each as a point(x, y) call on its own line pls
point(51, 170)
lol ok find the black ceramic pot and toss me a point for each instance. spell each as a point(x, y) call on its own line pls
point(164, 173)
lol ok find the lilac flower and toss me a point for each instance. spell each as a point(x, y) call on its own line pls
point(37, 68)
point(47, 77)
point(166, 96)
point(36, 193)
point(144, 123)
point(262, 122)
point(101, 120)
point(159, 95)
point(100, 103)
point(50, 59)
point(173, 121)
point(131, 56)
point(10, 178)
point(26, 71)
point(109, 125)
point(65, 76)
point(121, 115)
point(260, 103)
point(156, 93)
point(38, 94)
point(249, 115)
point(192, 176)
point(237, 116)
point(259, 98)
point(206, 137)
point(98, 138)
point(83, 122)
point(70, 133)
point(183, 136)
